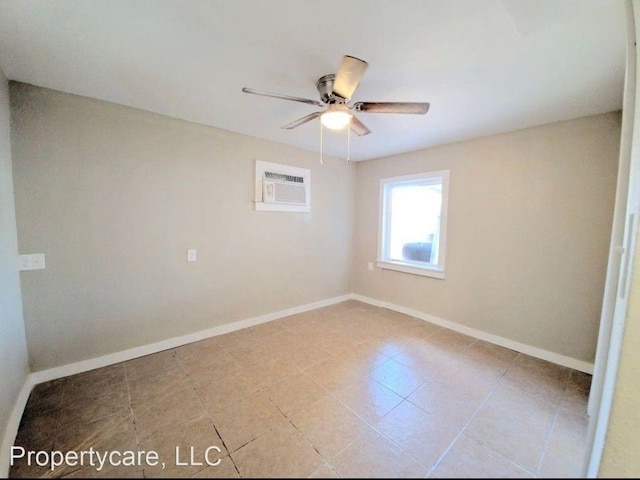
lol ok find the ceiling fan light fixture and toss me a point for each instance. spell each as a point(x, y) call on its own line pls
point(336, 119)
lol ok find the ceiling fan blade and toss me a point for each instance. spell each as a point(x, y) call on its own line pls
point(348, 77)
point(283, 97)
point(392, 107)
point(358, 127)
point(302, 120)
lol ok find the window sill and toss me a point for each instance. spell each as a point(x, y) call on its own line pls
point(412, 269)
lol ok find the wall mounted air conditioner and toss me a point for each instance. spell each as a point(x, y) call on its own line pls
point(282, 187)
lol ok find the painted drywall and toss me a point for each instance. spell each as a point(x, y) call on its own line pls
point(114, 197)
point(529, 223)
point(14, 365)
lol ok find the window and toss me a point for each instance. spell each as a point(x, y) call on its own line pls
point(413, 223)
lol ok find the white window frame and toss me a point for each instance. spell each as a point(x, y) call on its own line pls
point(415, 268)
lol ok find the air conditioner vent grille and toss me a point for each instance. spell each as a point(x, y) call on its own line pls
point(283, 177)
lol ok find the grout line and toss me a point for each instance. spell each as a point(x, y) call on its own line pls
point(548, 440)
point(464, 427)
point(58, 413)
point(133, 418)
point(206, 410)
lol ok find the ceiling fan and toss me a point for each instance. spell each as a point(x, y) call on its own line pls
point(336, 91)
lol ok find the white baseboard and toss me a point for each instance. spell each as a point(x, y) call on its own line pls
point(552, 357)
point(117, 357)
point(11, 430)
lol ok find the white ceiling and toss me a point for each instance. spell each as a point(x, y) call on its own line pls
point(486, 66)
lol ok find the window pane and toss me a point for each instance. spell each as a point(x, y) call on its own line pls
point(415, 222)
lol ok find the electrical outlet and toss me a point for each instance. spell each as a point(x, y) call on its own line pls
point(24, 262)
point(191, 255)
point(34, 261)
point(370, 266)
point(37, 261)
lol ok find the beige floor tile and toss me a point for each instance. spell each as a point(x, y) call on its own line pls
point(455, 402)
point(373, 456)
point(427, 358)
point(46, 397)
point(248, 352)
point(390, 345)
point(150, 364)
point(304, 356)
point(183, 449)
point(369, 399)
point(513, 425)
point(294, 393)
point(225, 390)
point(576, 395)
point(119, 442)
point(246, 420)
point(209, 365)
point(88, 383)
point(310, 330)
point(107, 471)
point(575, 400)
point(415, 328)
point(268, 328)
point(37, 430)
point(324, 471)
point(536, 384)
point(450, 340)
point(364, 334)
point(333, 373)
point(468, 459)
point(85, 407)
point(580, 380)
point(487, 360)
point(286, 339)
point(207, 347)
point(145, 389)
point(280, 453)
point(298, 319)
point(165, 411)
point(75, 436)
point(400, 378)
point(334, 343)
point(225, 469)
point(422, 435)
point(329, 426)
point(229, 340)
point(374, 353)
point(267, 371)
point(564, 456)
point(468, 378)
point(21, 468)
point(537, 365)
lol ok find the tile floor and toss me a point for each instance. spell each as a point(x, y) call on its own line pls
point(348, 390)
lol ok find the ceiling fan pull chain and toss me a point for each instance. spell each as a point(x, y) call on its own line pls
point(320, 143)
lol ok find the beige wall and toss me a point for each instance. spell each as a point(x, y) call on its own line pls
point(530, 217)
point(115, 196)
point(14, 365)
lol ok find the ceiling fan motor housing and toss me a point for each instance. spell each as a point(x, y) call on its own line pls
point(325, 89)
